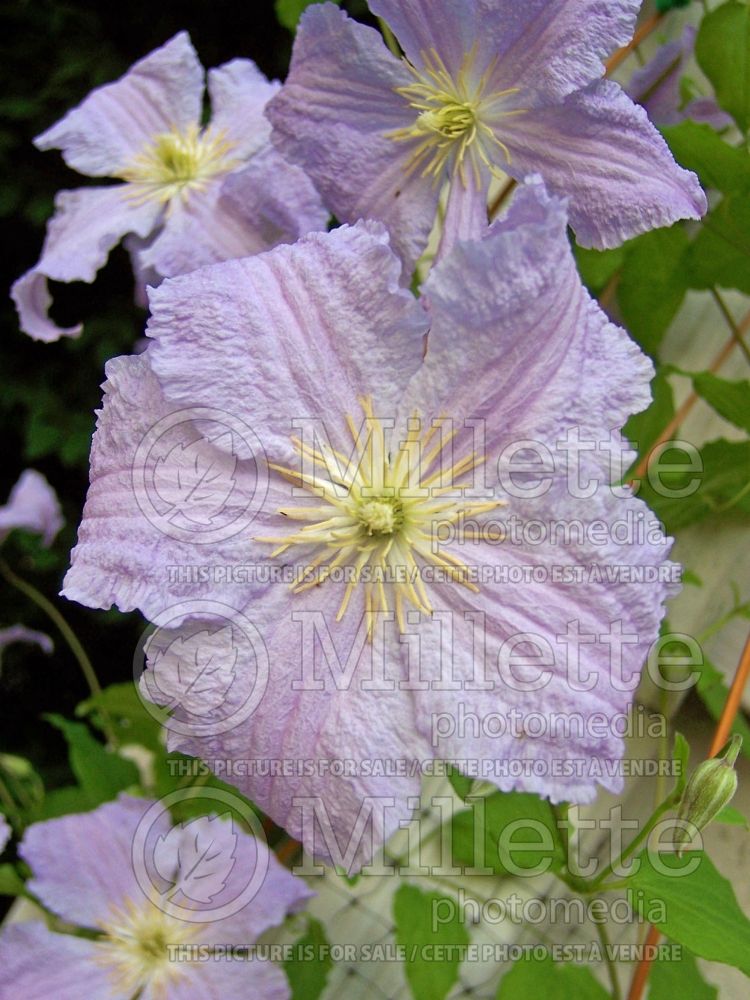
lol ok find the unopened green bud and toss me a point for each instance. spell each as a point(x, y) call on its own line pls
point(711, 786)
point(16, 767)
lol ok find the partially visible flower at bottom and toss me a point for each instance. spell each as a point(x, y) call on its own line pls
point(84, 872)
point(32, 506)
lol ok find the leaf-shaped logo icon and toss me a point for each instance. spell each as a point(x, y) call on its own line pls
point(197, 479)
point(197, 857)
point(194, 673)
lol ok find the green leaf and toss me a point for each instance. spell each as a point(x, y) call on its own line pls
point(679, 978)
point(132, 722)
point(680, 758)
point(722, 49)
point(461, 784)
point(653, 284)
point(731, 400)
point(713, 692)
point(307, 970)
point(720, 254)
point(101, 773)
point(421, 929)
point(718, 165)
point(598, 267)
point(732, 817)
point(64, 433)
point(174, 771)
point(520, 833)
point(288, 12)
point(722, 484)
point(664, 5)
point(63, 801)
point(541, 977)
point(11, 883)
point(699, 909)
point(644, 428)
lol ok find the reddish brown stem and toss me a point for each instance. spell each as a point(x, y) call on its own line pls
point(647, 28)
point(644, 967)
point(721, 734)
point(732, 705)
point(288, 850)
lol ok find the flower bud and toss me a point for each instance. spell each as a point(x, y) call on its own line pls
point(16, 767)
point(711, 786)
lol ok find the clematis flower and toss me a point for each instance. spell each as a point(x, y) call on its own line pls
point(370, 570)
point(84, 871)
point(658, 86)
point(486, 88)
point(19, 633)
point(191, 195)
point(32, 506)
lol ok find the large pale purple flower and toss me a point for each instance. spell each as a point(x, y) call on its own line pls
point(191, 196)
point(87, 871)
point(486, 87)
point(32, 506)
point(392, 475)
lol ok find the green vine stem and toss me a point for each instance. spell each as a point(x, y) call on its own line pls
point(731, 323)
point(596, 883)
point(70, 638)
point(603, 933)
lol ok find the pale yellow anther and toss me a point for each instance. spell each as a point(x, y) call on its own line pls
point(456, 119)
point(177, 162)
point(136, 948)
point(451, 120)
point(380, 517)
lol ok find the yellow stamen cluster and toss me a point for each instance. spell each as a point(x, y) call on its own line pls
point(456, 118)
point(135, 951)
point(380, 515)
point(176, 162)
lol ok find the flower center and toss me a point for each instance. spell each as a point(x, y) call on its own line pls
point(456, 120)
point(136, 947)
point(451, 120)
point(174, 162)
point(380, 515)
